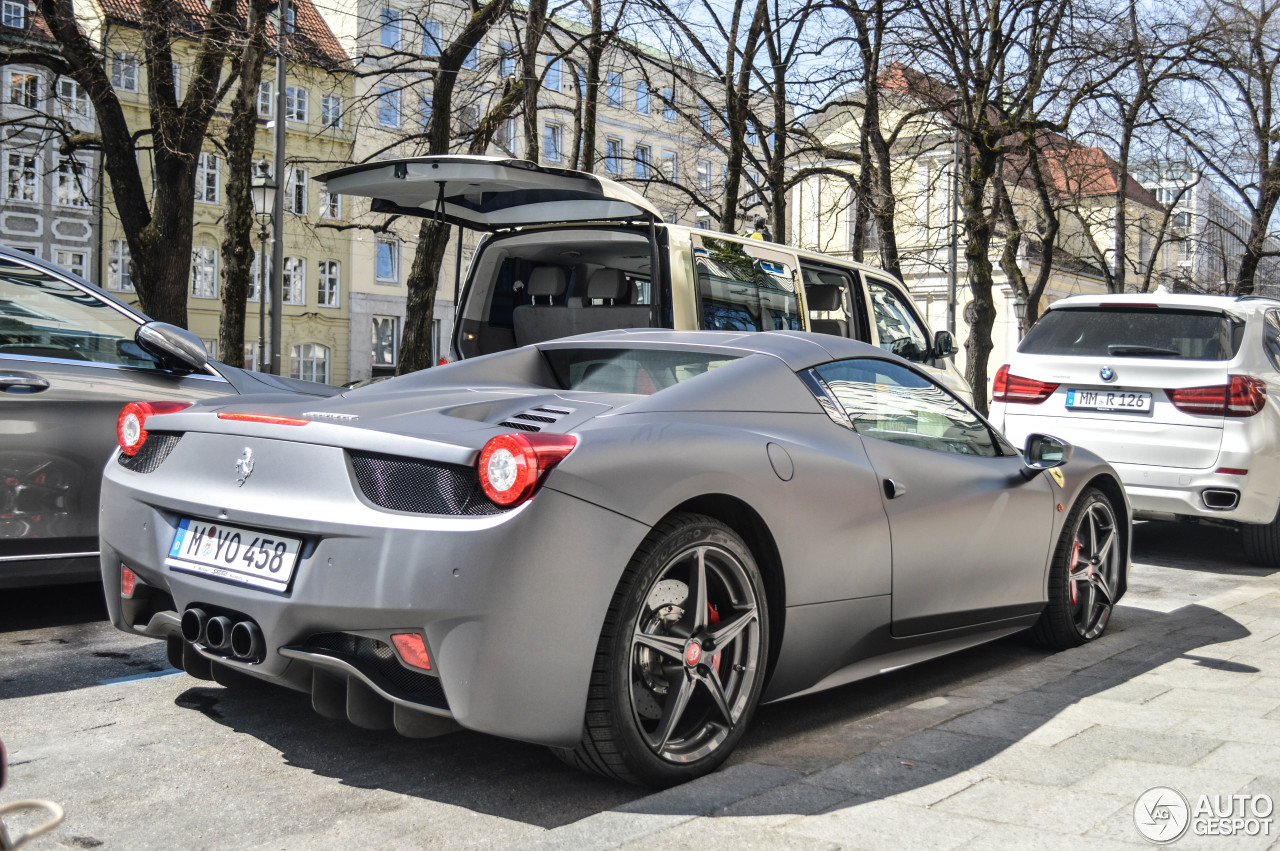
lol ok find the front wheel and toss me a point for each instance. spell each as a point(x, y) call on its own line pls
point(681, 658)
point(1084, 578)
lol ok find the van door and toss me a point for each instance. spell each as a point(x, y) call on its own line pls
point(833, 298)
point(899, 329)
point(745, 286)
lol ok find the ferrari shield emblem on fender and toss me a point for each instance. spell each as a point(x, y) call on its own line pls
point(244, 466)
point(1054, 472)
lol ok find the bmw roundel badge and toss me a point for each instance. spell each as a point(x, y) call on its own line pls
point(1107, 374)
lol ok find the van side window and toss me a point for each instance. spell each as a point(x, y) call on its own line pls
point(899, 330)
point(739, 292)
point(834, 302)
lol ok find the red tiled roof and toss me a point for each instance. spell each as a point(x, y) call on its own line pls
point(311, 40)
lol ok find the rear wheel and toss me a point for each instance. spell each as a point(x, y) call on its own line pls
point(1084, 577)
point(1262, 542)
point(681, 659)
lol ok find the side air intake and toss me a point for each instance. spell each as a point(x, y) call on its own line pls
point(536, 419)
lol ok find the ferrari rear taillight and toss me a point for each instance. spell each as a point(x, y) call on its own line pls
point(1243, 396)
point(1008, 387)
point(512, 466)
point(131, 425)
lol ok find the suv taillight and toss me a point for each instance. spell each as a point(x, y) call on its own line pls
point(131, 425)
point(1011, 388)
point(512, 466)
point(1244, 396)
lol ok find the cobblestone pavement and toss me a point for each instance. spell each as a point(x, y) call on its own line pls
point(1003, 746)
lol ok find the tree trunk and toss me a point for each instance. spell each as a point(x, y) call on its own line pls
point(535, 25)
point(977, 255)
point(595, 53)
point(237, 245)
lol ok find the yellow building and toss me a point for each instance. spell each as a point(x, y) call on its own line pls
point(319, 137)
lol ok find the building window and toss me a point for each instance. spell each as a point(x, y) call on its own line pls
point(70, 192)
point(704, 175)
point(669, 165)
point(613, 155)
point(432, 39)
point(124, 72)
point(119, 277)
point(388, 106)
point(386, 341)
point(329, 286)
point(295, 280)
point(24, 89)
point(642, 96)
point(14, 14)
point(331, 111)
point(295, 104)
point(669, 104)
point(330, 205)
point(387, 260)
point(613, 89)
point(210, 346)
point(643, 158)
point(22, 183)
point(389, 32)
point(296, 200)
point(469, 118)
point(208, 179)
point(309, 362)
point(472, 60)
point(424, 112)
point(251, 355)
point(73, 99)
point(552, 142)
point(73, 261)
point(506, 60)
point(552, 80)
point(290, 18)
point(507, 136)
point(266, 99)
point(204, 272)
point(176, 71)
point(704, 117)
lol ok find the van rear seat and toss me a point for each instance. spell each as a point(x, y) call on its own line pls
point(535, 323)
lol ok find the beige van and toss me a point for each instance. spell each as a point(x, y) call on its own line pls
point(570, 253)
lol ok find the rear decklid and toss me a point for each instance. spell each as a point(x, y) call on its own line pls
point(1117, 366)
point(488, 193)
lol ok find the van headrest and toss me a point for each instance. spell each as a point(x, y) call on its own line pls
point(546, 281)
point(822, 296)
point(607, 283)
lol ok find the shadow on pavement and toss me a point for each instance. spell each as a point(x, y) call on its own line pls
point(51, 605)
point(1200, 547)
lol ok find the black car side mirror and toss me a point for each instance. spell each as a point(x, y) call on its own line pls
point(1044, 452)
point(944, 345)
point(173, 345)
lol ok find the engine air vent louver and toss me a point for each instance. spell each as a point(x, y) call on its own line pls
point(535, 419)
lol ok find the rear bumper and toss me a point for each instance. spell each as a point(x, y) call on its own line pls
point(1190, 493)
point(509, 605)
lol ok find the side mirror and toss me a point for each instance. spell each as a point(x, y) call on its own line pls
point(944, 345)
point(1043, 452)
point(173, 345)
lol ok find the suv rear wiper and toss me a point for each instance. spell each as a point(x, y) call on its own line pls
point(1122, 350)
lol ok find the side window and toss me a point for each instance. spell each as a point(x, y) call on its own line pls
point(886, 401)
point(42, 316)
point(742, 292)
point(834, 303)
point(1271, 337)
point(900, 332)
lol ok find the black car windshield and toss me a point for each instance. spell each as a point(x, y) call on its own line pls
point(636, 371)
point(1136, 332)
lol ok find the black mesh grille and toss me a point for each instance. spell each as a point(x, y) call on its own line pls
point(421, 487)
point(536, 419)
point(152, 454)
point(378, 662)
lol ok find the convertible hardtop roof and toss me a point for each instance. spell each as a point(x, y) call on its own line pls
point(798, 349)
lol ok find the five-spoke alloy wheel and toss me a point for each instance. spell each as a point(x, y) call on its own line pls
point(1084, 579)
point(681, 659)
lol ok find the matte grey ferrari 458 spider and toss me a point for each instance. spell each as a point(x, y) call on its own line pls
point(616, 545)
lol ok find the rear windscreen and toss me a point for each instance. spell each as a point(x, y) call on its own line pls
point(637, 371)
point(1135, 332)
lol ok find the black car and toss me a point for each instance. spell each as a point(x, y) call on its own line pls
point(71, 356)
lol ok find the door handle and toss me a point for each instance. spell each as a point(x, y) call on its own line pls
point(893, 489)
point(25, 380)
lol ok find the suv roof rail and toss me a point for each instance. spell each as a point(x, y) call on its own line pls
point(1256, 297)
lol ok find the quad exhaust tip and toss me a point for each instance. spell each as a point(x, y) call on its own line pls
point(194, 622)
point(247, 642)
point(242, 639)
point(217, 633)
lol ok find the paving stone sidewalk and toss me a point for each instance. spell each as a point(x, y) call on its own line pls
point(1052, 755)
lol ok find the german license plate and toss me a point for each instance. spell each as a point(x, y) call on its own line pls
point(1109, 400)
point(237, 555)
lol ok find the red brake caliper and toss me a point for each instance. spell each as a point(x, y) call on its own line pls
point(1071, 572)
point(713, 618)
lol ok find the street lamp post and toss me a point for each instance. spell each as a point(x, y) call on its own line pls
point(1020, 310)
point(277, 207)
point(263, 190)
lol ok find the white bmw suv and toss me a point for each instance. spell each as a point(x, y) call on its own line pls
point(1178, 392)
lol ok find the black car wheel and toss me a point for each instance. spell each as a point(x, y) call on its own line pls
point(681, 659)
point(1084, 578)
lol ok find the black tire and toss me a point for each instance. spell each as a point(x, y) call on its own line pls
point(1262, 542)
point(695, 727)
point(1074, 617)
